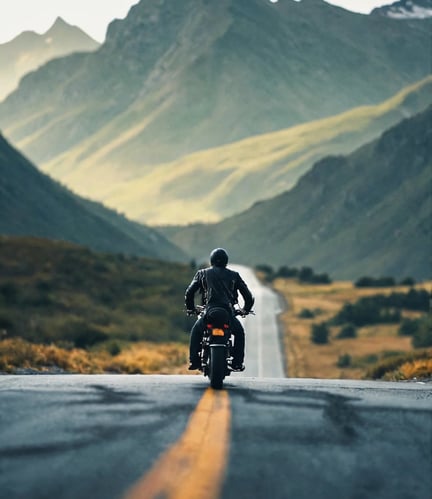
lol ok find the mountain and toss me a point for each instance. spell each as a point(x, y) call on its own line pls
point(406, 9)
point(33, 204)
point(207, 186)
point(368, 213)
point(29, 50)
point(173, 78)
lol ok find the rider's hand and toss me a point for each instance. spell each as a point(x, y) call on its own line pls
point(243, 312)
point(191, 312)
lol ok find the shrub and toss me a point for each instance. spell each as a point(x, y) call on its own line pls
point(371, 282)
point(287, 272)
point(408, 327)
point(320, 333)
point(306, 313)
point(382, 309)
point(6, 322)
point(267, 270)
point(321, 279)
point(113, 348)
point(344, 360)
point(9, 293)
point(423, 336)
point(347, 331)
point(83, 335)
point(306, 274)
point(408, 281)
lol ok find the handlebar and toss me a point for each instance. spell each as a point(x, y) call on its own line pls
point(199, 309)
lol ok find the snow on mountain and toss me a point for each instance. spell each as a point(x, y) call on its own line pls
point(406, 9)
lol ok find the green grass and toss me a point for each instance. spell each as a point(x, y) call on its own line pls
point(56, 292)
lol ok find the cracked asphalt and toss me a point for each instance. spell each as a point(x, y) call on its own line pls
point(70, 436)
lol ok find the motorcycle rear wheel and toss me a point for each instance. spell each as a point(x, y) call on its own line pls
point(217, 367)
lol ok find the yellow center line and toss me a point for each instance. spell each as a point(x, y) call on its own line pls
point(194, 467)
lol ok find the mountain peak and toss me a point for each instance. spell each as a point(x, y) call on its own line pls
point(406, 9)
point(59, 25)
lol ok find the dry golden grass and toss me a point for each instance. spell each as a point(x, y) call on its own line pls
point(138, 358)
point(416, 369)
point(306, 359)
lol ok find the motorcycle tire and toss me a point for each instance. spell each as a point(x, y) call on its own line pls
point(217, 367)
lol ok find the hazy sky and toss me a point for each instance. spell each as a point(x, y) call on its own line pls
point(93, 16)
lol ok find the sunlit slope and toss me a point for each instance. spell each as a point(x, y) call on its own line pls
point(174, 78)
point(367, 213)
point(211, 184)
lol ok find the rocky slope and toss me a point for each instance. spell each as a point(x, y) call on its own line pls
point(367, 213)
point(29, 50)
point(176, 77)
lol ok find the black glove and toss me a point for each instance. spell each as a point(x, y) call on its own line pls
point(191, 312)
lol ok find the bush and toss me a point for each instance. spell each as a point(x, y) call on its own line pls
point(408, 327)
point(287, 272)
point(321, 279)
point(320, 333)
point(347, 331)
point(9, 293)
point(306, 313)
point(113, 348)
point(423, 336)
point(306, 274)
point(344, 360)
point(267, 270)
point(382, 309)
point(82, 335)
point(408, 281)
point(371, 282)
point(6, 322)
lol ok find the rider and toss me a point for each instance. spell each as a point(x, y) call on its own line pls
point(219, 287)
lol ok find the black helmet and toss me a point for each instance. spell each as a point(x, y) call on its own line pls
point(219, 257)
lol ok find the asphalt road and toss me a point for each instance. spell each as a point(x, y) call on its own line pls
point(263, 357)
point(74, 436)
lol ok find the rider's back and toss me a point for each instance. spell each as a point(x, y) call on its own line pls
point(220, 286)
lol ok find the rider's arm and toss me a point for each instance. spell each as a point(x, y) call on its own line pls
point(245, 292)
point(193, 287)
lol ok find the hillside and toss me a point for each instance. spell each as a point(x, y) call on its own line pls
point(173, 78)
point(65, 307)
point(29, 50)
point(33, 204)
point(364, 214)
point(210, 185)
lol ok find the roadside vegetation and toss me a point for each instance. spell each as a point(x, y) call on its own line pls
point(343, 330)
point(65, 307)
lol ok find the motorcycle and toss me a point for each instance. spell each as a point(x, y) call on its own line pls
point(216, 345)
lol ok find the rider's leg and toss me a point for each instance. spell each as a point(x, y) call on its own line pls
point(195, 341)
point(239, 342)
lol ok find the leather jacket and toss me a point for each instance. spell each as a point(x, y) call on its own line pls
point(219, 286)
